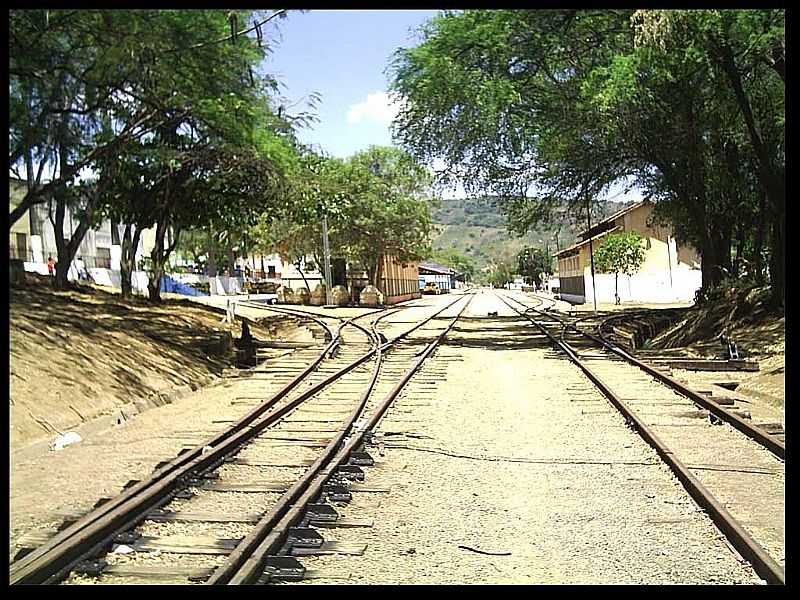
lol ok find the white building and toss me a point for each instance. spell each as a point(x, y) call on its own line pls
point(670, 272)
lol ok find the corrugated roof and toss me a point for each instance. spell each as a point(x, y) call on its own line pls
point(436, 267)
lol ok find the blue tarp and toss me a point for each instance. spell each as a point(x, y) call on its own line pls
point(168, 284)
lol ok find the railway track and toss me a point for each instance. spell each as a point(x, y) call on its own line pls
point(744, 499)
point(270, 457)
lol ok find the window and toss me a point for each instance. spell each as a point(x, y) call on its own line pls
point(21, 249)
point(271, 271)
point(103, 258)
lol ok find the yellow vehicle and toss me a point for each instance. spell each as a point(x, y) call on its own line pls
point(430, 288)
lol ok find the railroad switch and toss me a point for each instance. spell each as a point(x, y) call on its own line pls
point(361, 459)
point(351, 472)
point(90, 567)
point(282, 568)
point(305, 537)
point(324, 513)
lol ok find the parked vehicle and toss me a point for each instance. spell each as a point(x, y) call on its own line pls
point(430, 288)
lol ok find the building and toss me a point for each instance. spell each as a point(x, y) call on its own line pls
point(398, 280)
point(670, 272)
point(444, 277)
point(33, 240)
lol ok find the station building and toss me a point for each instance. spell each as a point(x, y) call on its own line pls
point(444, 277)
point(670, 272)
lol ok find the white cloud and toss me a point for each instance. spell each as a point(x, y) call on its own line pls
point(379, 107)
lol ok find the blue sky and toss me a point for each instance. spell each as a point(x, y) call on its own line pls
point(343, 55)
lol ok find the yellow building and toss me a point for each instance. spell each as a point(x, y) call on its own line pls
point(670, 272)
point(20, 233)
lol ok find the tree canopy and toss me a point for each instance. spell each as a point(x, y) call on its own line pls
point(533, 263)
point(376, 202)
point(549, 108)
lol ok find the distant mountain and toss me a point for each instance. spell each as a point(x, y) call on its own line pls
point(475, 227)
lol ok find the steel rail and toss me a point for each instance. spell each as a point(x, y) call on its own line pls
point(20, 571)
point(66, 548)
point(243, 567)
point(762, 562)
point(758, 435)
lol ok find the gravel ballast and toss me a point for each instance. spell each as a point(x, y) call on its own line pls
point(511, 459)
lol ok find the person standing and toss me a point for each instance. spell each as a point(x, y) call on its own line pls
point(51, 266)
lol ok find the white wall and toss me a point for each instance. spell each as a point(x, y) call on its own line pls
point(443, 281)
point(654, 287)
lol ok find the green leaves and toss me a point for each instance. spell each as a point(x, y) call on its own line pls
point(620, 253)
point(532, 262)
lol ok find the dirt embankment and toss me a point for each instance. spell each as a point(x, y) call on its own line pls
point(76, 355)
point(745, 316)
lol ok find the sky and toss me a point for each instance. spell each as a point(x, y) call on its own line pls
point(343, 56)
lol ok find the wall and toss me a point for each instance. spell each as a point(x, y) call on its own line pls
point(399, 280)
point(443, 281)
point(652, 287)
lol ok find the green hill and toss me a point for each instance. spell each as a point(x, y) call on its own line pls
point(475, 227)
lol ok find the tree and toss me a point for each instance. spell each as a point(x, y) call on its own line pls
point(532, 263)
point(387, 212)
point(619, 253)
point(215, 158)
point(500, 275)
point(376, 203)
point(547, 108)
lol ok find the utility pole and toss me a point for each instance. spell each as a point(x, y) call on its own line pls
point(327, 255)
point(591, 251)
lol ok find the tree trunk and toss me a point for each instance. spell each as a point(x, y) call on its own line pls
point(765, 170)
point(231, 262)
point(759, 241)
point(66, 249)
point(379, 272)
point(741, 238)
point(157, 260)
point(777, 266)
point(299, 270)
point(128, 259)
point(212, 263)
point(710, 262)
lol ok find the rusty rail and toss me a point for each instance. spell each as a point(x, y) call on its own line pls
point(762, 562)
point(52, 560)
point(244, 565)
